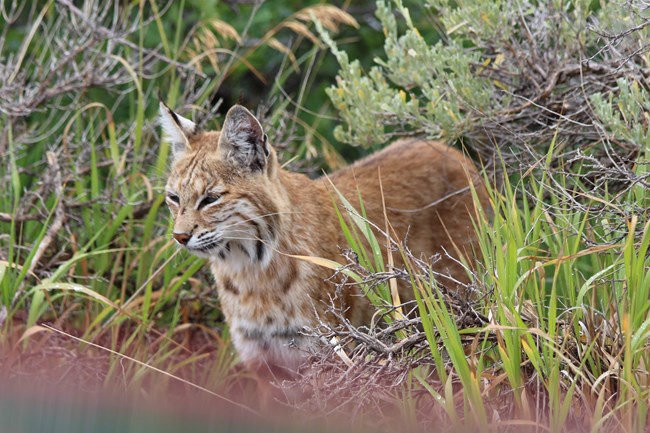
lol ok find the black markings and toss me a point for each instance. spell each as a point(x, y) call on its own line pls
point(207, 201)
point(257, 334)
point(260, 251)
point(253, 334)
point(257, 228)
point(192, 165)
point(174, 116)
point(211, 244)
point(244, 250)
point(228, 286)
point(288, 333)
point(256, 225)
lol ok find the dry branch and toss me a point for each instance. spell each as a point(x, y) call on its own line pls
point(59, 212)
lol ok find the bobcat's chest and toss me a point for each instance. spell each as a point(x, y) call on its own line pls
point(267, 322)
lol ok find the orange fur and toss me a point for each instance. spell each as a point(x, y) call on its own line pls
point(233, 203)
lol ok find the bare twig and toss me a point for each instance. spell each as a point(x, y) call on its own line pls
point(7, 217)
point(59, 212)
point(112, 35)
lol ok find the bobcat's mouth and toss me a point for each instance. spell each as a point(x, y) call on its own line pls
point(207, 248)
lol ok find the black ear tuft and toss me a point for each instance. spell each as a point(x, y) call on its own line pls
point(176, 128)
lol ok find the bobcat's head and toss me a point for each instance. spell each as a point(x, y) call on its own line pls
point(223, 189)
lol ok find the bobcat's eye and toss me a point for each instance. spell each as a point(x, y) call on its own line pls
point(173, 198)
point(208, 200)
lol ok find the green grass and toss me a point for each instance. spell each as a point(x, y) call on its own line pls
point(564, 339)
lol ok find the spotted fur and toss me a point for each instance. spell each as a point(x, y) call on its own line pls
point(233, 204)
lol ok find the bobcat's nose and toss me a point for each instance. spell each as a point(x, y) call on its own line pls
point(182, 238)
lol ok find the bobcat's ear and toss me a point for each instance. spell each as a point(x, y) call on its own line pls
point(177, 128)
point(242, 140)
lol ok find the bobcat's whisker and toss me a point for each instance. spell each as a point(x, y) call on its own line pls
point(229, 238)
point(259, 217)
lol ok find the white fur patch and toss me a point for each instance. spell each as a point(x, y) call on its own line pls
point(289, 352)
point(177, 133)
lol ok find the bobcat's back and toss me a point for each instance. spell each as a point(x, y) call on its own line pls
point(427, 199)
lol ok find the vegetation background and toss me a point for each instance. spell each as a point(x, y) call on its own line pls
point(549, 96)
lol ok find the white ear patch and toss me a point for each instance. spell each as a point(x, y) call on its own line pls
point(176, 128)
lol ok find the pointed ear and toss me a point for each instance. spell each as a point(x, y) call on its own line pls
point(177, 128)
point(242, 140)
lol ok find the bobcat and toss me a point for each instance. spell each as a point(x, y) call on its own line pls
point(233, 204)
